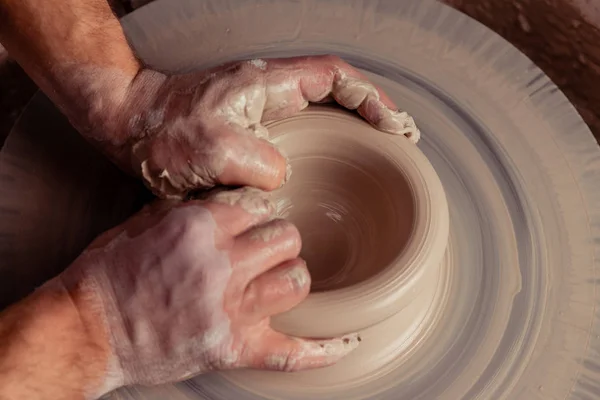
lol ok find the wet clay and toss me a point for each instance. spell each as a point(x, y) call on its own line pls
point(518, 318)
point(518, 166)
point(373, 218)
point(372, 214)
point(354, 208)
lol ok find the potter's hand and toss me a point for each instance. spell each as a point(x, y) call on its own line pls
point(177, 290)
point(185, 288)
point(197, 130)
point(179, 132)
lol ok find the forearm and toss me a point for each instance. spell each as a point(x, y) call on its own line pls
point(76, 52)
point(48, 351)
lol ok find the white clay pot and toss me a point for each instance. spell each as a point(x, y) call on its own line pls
point(373, 218)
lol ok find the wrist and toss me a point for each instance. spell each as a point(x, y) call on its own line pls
point(104, 374)
point(46, 348)
point(95, 99)
point(89, 336)
point(130, 116)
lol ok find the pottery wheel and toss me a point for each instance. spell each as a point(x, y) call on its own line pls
point(519, 167)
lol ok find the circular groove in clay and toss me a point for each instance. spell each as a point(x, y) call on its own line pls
point(520, 315)
point(384, 203)
point(518, 165)
point(354, 209)
point(384, 347)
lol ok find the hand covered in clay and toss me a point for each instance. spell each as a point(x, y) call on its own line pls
point(191, 131)
point(185, 288)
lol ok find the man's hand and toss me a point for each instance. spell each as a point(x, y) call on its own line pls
point(186, 132)
point(185, 288)
point(177, 290)
point(177, 132)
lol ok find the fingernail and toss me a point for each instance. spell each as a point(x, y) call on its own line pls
point(267, 233)
point(282, 207)
point(298, 276)
point(288, 168)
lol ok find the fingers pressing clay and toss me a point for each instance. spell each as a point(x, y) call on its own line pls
point(198, 130)
point(228, 155)
point(397, 122)
point(277, 290)
point(285, 353)
point(189, 287)
point(252, 161)
point(296, 81)
point(264, 247)
point(235, 211)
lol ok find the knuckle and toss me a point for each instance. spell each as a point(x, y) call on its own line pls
point(291, 231)
point(276, 230)
point(298, 277)
point(294, 236)
point(282, 362)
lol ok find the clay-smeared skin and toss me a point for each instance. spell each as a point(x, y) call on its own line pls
point(201, 129)
point(185, 288)
point(374, 223)
point(373, 218)
point(178, 132)
point(519, 168)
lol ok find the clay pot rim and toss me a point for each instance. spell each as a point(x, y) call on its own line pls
point(391, 289)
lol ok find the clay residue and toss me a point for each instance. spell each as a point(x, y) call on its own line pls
point(518, 166)
point(478, 103)
point(251, 200)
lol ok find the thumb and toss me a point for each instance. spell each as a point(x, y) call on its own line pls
point(276, 351)
point(251, 160)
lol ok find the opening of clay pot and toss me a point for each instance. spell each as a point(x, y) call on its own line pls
point(373, 218)
point(354, 208)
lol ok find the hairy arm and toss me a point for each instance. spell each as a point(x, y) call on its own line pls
point(48, 350)
point(178, 132)
point(77, 54)
point(179, 289)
